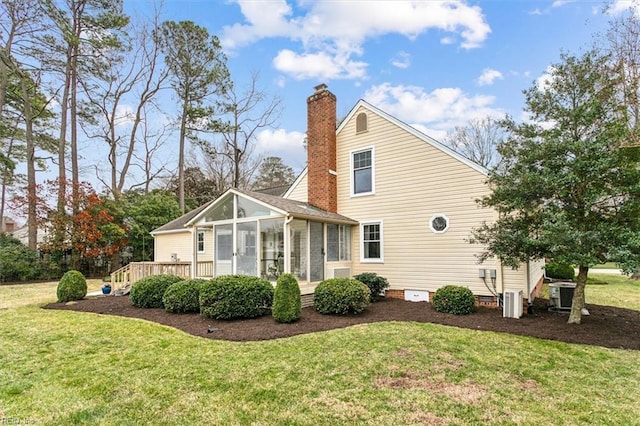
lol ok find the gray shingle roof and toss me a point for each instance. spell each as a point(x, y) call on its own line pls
point(296, 209)
point(178, 224)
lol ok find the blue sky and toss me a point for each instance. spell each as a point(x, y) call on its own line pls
point(432, 64)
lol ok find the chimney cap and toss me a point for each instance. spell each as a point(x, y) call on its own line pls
point(321, 87)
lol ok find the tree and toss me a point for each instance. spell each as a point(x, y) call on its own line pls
point(246, 113)
point(478, 140)
point(24, 113)
point(622, 43)
point(198, 71)
point(135, 81)
point(144, 213)
point(567, 189)
point(273, 172)
point(198, 188)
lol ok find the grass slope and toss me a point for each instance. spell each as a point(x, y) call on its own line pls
point(74, 368)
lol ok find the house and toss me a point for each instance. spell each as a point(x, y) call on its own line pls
point(377, 196)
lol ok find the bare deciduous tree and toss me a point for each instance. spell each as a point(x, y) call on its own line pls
point(478, 140)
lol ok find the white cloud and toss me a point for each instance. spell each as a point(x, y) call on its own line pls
point(488, 76)
point(560, 3)
point(124, 115)
point(339, 29)
point(545, 79)
point(286, 145)
point(401, 60)
point(436, 111)
point(620, 6)
point(318, 65)
point(535, 11)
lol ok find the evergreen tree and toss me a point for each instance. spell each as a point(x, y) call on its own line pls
point(567, 189)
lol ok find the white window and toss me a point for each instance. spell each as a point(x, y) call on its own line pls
point(338, 242)
point(200, 238)
point(439, 223)
point(362, 172)
point(371, 242)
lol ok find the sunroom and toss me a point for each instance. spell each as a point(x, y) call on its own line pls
point(251, 233)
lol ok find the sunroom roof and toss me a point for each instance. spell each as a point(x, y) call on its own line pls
point(297, 209)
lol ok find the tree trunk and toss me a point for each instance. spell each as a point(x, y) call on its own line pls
point(183, 133)
point(578, 296)
point(32, 228)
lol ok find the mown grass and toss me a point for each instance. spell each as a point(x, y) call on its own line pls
point(613, 290)
point(15, 295)
point(62, 367)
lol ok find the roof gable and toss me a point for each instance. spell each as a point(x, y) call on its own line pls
point(413, 131)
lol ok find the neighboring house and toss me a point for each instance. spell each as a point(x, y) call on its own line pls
point(8, 224)
point(377, 196)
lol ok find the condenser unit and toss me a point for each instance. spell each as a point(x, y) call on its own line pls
point(561, 294)
point(512, 304)
point(338, 272)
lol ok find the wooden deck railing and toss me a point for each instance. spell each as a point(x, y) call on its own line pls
point(134, 271)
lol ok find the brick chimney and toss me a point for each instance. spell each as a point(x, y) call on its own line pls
point(321, 149)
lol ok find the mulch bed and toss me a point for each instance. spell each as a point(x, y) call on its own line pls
point(605, 326)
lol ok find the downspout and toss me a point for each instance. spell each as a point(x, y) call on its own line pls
point(287, 249)
point(529, 301)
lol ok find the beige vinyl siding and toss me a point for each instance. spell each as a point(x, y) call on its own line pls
point(536, 271)
point(208, 246)
point(180, 243)
point(299, 192)
point(413, 182)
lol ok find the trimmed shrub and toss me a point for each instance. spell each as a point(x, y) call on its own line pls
point(148, 292)
point(559, 271)
point(236, 296)
point(183, 296)
point(72, 286)
point(287, 305)
point(376, 284)
point(341, 296)
point(453, 299)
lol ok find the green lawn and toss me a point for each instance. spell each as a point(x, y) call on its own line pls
point(73, 368)
point(613, 290)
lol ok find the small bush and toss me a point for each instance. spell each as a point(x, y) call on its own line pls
point(148, 292)
point(559, 271)
point(72, 286)
point(183, 296)
point(453, 299)
point(236, 296)
point(287, 305)
point(341, 296)
point(376, 284)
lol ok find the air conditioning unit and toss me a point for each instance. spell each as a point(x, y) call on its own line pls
point(512, 304)
point(338, 273)
point(561, 295)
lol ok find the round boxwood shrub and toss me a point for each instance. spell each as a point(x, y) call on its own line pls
point(183, 296)
point(236, 296)
point(376, 284)
point(559, 271)
point(148, 292)
point(72, 286)
point(287, 305)
point(341, 296)
point(453, 299)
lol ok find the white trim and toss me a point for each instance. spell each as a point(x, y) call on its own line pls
point(414, 132)
point(373, 171)
point(446, 218)
point(362, 225)
point(171, 231)
point(296, 182)
point(238, 194)
point(333, 172)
